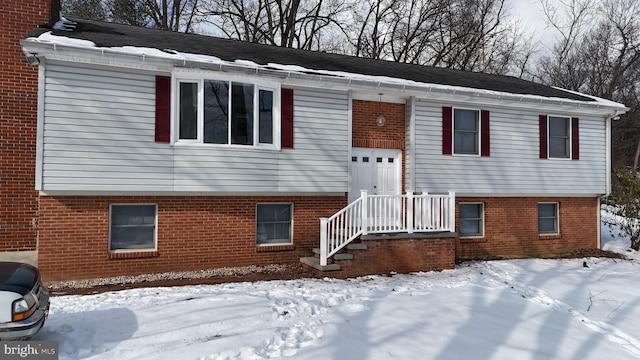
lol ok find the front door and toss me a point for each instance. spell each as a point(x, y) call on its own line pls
point(376, 170)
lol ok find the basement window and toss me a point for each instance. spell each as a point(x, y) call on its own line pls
point(471, 219)
point(548, 219)
point(132, 227)
point(274, 224)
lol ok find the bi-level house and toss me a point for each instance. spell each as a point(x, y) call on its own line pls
point(160, 151)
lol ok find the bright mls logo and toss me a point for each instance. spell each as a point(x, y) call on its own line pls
point(31, 350)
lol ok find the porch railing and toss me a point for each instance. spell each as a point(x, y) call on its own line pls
point(378, 214)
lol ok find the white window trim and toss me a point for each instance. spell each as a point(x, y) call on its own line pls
point(482, 220)
point(557, 218)
point(570, 157)
point(453, 131)
point(256, 227)
point(199, 77)
point(155, 229)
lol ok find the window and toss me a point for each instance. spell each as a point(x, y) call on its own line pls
point(466, 130)
point(548, 218)
point(471, 219)
point(132, 227)
point(274, 224)
point(226, 112)
point(559, 137)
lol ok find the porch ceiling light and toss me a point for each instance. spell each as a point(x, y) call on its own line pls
point(380, 120)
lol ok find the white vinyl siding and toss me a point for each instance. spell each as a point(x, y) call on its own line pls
point(515, 167)
point(99, 137)
point(99, 131)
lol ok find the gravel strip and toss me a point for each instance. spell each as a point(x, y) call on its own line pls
point(200, 274)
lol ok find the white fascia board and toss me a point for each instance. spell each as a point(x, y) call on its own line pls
point(324, 79)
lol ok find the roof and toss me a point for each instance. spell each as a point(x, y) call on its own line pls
point(108, 35)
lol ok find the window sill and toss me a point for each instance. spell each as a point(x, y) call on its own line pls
point(273, 248)
point(549, 236)
point(133, 255)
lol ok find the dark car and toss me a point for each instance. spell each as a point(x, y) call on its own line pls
point(24, 301)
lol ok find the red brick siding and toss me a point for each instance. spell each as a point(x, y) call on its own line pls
point(367, 134)
point(18, 111)
point(511, 228)
point(193, 233)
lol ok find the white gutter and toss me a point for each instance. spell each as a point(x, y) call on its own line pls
point(107, 56)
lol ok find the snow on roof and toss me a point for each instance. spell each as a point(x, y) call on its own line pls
point(196, 49)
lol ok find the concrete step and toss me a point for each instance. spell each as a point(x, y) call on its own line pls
point(338, 256)
point(357, 246)
point(314, 262)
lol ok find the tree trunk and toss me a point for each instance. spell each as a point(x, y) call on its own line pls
point(635, 159)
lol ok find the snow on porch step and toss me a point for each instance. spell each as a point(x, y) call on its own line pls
point(314, 262)
point(338, 256)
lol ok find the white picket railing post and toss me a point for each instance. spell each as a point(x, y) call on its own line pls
point(409, 207)
point(324, 243)
point(364, 214)
point(452, 211)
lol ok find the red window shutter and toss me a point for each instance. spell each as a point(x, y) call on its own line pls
point(543, 136)
point(447, 128)
point(575, 140)
point(286, 101)
point(484, 133)
point(163, 108)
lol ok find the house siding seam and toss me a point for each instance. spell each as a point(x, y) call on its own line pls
point(18, 124)
point(193, 233)
point(511, 228)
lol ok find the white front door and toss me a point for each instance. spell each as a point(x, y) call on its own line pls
point(376, 170)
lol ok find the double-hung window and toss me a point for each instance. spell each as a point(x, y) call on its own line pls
point(132, 227)
point(471, 219)
point(559, 137)
point(466, 131)
point(274, 224)
point(548, 219)
point(227, 112)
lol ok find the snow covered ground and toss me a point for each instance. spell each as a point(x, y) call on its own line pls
point(521, 309)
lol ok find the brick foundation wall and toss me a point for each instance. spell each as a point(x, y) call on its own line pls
point(511, 228)
point(18, 121)
point(399, 255)
point(193, 233)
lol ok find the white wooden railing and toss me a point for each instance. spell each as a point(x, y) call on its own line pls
point(378, 214)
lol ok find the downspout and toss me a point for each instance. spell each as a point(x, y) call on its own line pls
point(608, 166)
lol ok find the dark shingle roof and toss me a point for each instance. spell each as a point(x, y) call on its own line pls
point(113, 35)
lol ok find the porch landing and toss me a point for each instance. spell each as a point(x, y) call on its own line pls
point(386, 253)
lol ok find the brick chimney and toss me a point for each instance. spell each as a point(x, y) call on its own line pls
point(18, 119)
point(54, 12)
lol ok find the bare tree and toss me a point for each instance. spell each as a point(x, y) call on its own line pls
point(288, 23)
point(173, 15)
point(85, 9)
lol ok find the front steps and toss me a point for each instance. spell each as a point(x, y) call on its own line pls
point(335, 261)
point(387, 253)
